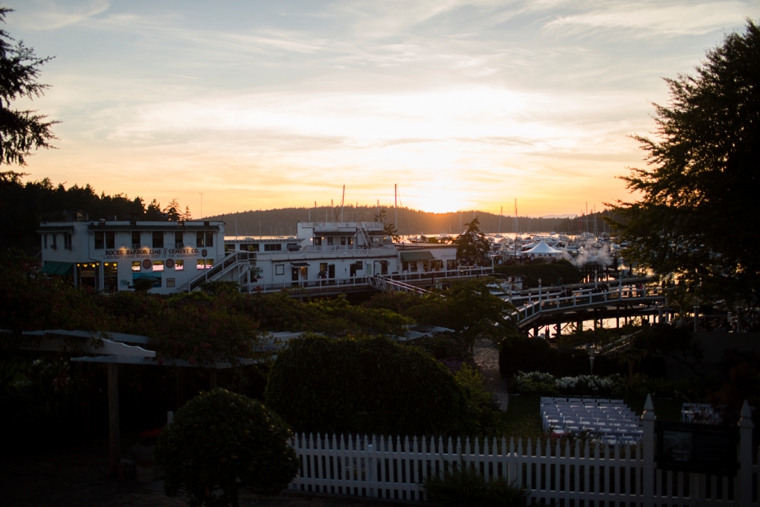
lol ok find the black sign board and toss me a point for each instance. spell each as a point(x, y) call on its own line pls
point(701, 448)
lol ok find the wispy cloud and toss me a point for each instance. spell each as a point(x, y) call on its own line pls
point(644, 19)
point(50, 14)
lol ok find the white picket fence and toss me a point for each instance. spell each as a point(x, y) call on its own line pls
point(570, 474)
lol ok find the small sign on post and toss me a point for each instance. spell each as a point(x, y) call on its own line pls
point(698, 448)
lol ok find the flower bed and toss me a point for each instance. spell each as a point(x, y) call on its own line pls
point(546, 384)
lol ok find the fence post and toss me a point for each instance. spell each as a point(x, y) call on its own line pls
point(745, 454)
point(648, 470)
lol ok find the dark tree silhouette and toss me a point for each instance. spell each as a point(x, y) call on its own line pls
point(699, 213)
point(21, 131)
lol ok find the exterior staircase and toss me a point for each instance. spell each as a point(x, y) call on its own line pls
point(235, 261)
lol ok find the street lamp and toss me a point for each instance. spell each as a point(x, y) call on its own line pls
point(539, 292)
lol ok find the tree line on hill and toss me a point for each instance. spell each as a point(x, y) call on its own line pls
point(25, 204)
point(282, 222)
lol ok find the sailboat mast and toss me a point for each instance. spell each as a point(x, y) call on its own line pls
point(395, 203)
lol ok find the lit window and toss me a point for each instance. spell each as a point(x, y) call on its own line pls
point(135, 265)
point(179, 265)
point(205, 264)
point(158, 265)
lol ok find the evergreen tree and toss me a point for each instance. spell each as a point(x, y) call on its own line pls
point(472, 245)
point(699, 213)
point(20, 130)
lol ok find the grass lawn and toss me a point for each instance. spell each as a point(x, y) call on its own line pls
point(523, 418)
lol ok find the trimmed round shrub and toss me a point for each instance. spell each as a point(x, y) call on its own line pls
point(220, 442)
point(365, 386)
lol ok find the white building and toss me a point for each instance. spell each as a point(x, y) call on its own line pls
point(331, 257)
point(326, 258)
point(110, 256)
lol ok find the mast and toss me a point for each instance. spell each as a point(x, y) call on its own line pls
point(395, 203)
point(342, 199)
point(501, 212)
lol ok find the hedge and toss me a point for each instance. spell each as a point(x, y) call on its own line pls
point(365, 386)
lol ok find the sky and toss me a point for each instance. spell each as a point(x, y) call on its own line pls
point(231, 106)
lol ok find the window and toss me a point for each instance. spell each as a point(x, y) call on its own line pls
point(272, 247)
point(44, 240)
point(110, 277)
point(317, 241)
point(205, 264)
point(136, 241)
point(158, 265)
point(200, 239)
point(329, 240)
point(350, 240)
point(100, 240)
point(158, 240)
point(135, 265)
point(54, 244)
point(67, 241)
point(179, 240)
point(87, 273)
point(110, 239)
point(279, 269)
point(343, 241)
point(179, 265)
point(209, 239)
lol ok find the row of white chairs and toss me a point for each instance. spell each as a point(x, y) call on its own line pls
point(607, 420)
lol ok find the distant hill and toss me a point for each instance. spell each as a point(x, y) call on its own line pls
point(282, 222)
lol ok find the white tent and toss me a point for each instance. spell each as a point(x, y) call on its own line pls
point(543, 249)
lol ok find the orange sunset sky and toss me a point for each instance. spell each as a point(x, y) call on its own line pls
point(269, 104)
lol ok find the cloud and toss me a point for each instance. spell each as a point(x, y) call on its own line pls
point(51, 14)
point(678, 19)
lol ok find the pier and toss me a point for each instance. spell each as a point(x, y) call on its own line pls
point(555, 306)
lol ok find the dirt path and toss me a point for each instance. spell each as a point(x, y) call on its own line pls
point(487, 357)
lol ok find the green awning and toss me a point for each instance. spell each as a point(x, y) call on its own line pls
point(416, 256)
point(57, 268)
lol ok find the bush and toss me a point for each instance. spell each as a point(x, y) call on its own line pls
point(465, 486)
point(220, 442)
point(481, 403)
point(368, 385)
point(444, 345)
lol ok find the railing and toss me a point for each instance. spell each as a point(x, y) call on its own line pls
point(364, 281)
point(617, 345)
point(384, 283)
point(554, 473)
point(552, 302)
point(233, 260)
